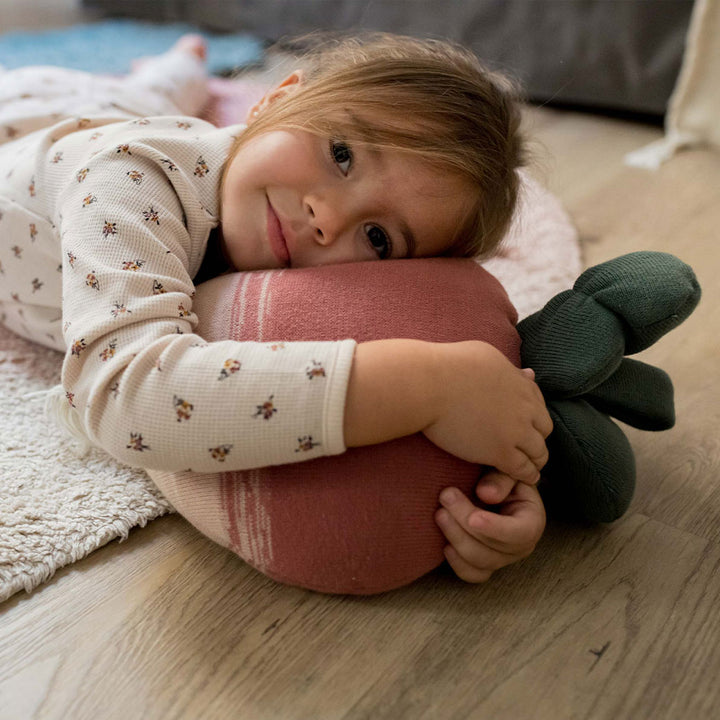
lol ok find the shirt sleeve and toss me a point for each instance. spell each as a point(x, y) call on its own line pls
point(146, 388)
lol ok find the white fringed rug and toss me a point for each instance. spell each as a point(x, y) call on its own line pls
point(57, 506)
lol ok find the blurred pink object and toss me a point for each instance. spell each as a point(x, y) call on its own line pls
point(230, 100)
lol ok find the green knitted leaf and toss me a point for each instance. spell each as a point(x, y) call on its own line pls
point(591, 472)
point(652, 292)
point(573, 344)
point(638, 394)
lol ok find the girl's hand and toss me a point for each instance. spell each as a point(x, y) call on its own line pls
point(482, 541)
point(490, 412)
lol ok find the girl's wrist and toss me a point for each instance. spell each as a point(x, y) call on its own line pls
point(395, 389)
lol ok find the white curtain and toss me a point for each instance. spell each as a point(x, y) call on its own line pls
point(693, 116)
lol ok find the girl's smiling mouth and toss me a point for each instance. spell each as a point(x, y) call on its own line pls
point(276, 237)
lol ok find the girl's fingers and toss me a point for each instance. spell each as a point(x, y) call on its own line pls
point(522, 468)
point(537, 452)
point(464, 570)
point(493, 487)
point(514, 531)
point(517, 527)
point(544, 424)
point(468, 552)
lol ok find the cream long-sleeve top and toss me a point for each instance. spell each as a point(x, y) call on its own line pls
point(110, 221)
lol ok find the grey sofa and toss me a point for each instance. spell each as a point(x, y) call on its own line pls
point(612, 54)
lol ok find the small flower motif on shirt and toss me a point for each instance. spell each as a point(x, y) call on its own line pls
point(266, 410)
point(66, 325)
point(276, 346)
point(36, 284)
point(201, 168)
point(115, 389)
point(305, 444)
point(220, 452)
point(230, 367)
point(183, 409)
point(71, 259)
point(183, 125)
point(89, 200)
point(82, 174)
point(83, 123)
point(152, 215)
point(170, 166)
point(123, 149)
point(95, 136)
point(11, 132)
point(120, 309)
point(141, 121)
point(136, 176)
point(33, 231)
point(109, 228)
point(158, 288)
point(57, 158)
point(132, 265)
point(315, 370)
point(91, 281)
point(17, 251)
point(31, 187)
point(15, 296)
point(136, 443)
point(182, 311)
point(70, 397)
point(77, 347)
point(108, 352)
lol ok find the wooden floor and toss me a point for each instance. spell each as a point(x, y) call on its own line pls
point(619, 621)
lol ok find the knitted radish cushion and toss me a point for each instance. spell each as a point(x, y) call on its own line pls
point(360, 522)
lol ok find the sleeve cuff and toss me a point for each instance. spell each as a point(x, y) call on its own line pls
point(334, 410)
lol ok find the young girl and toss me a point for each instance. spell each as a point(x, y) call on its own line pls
point(115, 200)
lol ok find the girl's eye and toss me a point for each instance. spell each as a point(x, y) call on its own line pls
point(379, 241)
point(342, 155)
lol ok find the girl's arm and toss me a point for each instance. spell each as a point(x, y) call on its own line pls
point(137, 378)
point(466, 397)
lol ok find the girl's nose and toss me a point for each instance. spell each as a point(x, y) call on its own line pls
point(325, 221)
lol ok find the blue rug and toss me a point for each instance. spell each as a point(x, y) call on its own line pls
point(110, 46)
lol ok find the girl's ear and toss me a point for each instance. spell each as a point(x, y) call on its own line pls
point(290, 84)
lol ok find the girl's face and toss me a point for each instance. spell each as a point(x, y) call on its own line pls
point(294, 199)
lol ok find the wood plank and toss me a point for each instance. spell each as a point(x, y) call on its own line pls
point(203, 636)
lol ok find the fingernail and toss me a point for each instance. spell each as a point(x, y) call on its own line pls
point(448, 496)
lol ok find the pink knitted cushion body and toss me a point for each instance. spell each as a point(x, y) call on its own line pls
point(361, 522)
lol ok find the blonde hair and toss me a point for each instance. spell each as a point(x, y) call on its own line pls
point(429, 98)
